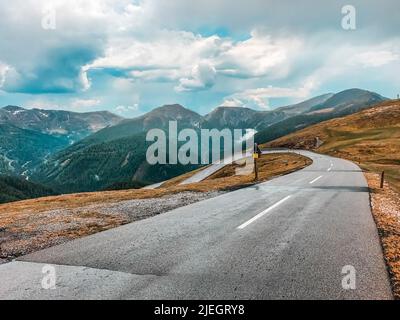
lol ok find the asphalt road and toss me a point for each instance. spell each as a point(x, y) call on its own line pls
point(288, 238)
point(203, 174)
point(213, 168)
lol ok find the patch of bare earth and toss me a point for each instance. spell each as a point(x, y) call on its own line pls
point(386, 210)
point(31, 225)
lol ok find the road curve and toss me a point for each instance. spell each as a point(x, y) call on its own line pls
point(203, 174)
point(288, 238)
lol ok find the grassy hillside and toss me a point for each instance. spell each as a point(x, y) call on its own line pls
point(15, 189)
point(115, 156)
point(338, 105)
point(102, 166)
point(370, 137)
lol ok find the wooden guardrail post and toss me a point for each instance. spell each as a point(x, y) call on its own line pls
point(255, 169)
point(382, 179)
point(256, 155)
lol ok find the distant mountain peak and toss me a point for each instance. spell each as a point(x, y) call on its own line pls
point(225, 114)
point(72, 125)
point(175, 106)
point(233, 108)
point(13, 108)
point(306, 105)
point(172, 110)
point(355, 92)
point(350, 97)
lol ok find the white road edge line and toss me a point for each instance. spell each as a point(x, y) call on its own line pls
point(244, 225)
point(316, 179)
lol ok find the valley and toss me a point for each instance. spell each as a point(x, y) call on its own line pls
point(70, 152)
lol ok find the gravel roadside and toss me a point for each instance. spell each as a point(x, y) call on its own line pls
point(385, 205)
point(33, 232)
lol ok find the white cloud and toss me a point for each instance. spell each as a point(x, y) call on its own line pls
point(167, 56)
point(376, 58)
point(84, 79)
point(3, 72)
point(194, 61)
point(152, 46)
point(203, 76)
point(124, 110)
point(260, 97)
point(233, 102)
point(42, 103)
point(55, 57)
point(353, 61)
point(259, 56)
point(77, 105)
point(309, 17)
point(84, 103)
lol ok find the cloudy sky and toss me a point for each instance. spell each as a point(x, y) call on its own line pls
point(129, 56)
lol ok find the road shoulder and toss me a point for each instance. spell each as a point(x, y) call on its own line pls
point(385, 203)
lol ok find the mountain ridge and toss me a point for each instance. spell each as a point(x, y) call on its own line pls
point(117, 154)
point(340, 104)
point(370, 137)
point(73, 125)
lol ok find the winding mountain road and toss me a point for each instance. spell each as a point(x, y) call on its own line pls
point(288, 238)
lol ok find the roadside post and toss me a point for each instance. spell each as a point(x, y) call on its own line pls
point(256, 155)
point(382, 179)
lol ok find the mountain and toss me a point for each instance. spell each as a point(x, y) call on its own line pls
point(72, 125)
point(15, 189)
point(238, 117)
point(371, 136)
point(227, 117)
point(349, 101)
point(305, 106)
point(340, 104)
point(90, 167)
point(117, 155)
point(21, 150)
point(29, 136)
point(157, 118)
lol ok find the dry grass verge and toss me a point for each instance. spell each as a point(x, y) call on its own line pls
point(385, 205)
